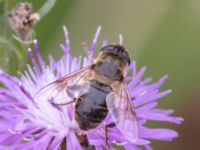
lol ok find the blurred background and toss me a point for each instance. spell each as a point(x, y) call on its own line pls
point(163, 35)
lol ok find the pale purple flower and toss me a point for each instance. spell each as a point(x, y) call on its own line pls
point(29, 124)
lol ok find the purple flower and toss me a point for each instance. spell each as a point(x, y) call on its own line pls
point(29, 124)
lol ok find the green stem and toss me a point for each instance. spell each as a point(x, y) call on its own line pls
point(11, 47)
point(46, 8)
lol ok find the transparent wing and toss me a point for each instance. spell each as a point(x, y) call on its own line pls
point(121, 109)
point(65, 89)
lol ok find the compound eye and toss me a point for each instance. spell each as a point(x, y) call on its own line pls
point(126, 57)
point(117, 50)
point(107, 48)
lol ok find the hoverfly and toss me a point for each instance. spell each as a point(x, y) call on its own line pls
point(97, 90)
point(22, 20)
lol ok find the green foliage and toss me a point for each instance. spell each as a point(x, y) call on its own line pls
point(1, 7)
point(46, 8)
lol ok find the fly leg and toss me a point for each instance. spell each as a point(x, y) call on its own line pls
point(110, 125)
point(58, 105)
point(83, 140)
point(67, 103)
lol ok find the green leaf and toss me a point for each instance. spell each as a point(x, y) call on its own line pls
point(46, 8)
point(2, 3)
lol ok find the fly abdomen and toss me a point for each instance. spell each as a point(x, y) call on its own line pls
point(91, 109)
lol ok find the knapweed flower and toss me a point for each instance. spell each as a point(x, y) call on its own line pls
point(27, 123)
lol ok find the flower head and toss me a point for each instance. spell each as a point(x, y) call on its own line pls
point(27, 123)
point(22, 20)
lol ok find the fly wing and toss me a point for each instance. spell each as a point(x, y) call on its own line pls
point(123, 114)
point(65, 89)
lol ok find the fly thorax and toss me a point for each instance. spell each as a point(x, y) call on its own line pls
point(110, 68)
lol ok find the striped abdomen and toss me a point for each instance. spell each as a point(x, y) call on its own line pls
point(90, 109)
